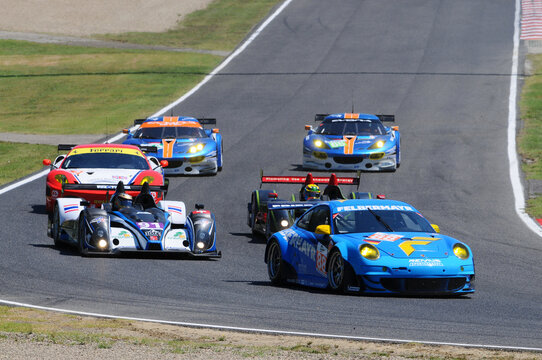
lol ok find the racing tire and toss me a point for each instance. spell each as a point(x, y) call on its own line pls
point(221, 157)
point(55, 227)
point(340, 275)
point(275, 264)
point(81, 234)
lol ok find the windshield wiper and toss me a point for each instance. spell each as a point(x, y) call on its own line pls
point(377, 217)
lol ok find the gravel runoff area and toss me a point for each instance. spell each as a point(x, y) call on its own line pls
point(54, 19)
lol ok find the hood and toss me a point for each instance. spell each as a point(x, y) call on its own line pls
point(104, 176)
point(360, 142)
point(405, 245)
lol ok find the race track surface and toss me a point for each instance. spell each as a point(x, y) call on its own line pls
point(442, 67)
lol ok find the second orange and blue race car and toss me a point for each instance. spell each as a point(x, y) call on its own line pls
point(189, 148)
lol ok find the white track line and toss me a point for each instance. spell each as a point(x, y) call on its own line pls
point(514, 175)
point(270, 332)
point(515, 178)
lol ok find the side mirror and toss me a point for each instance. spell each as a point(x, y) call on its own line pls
point(436, 228)
point(46, 162)
point(395, 128)
point(125, 131)
point(216, 131)
point(164, 163)
point(308, 127)
point(323, 229)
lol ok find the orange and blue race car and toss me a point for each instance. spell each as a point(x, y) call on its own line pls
point(189, 148)
point(352, 141)
point(92, 171)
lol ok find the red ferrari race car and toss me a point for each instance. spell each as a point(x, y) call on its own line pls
point(93, 171)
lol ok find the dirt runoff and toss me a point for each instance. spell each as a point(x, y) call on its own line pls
point(87, 17)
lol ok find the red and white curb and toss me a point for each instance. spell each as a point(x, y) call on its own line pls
point(531, 19)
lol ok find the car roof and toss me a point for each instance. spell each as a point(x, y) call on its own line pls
point(350, 116)
point(171, 121)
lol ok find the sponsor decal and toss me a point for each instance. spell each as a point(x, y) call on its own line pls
point(152, 234)
point(425, 262)
point(153, 225)
point(168, 145)
point(407, 247)
point(384, 237)
point(297, 242)
point(95, 150)
point(374, 207)
point(336, 143)
point(124, 234)
point(54, 193)
point(99, 220)
point(180, 235)
point(175, 209)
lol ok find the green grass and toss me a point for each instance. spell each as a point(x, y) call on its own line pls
point(530, 138)
point(69, 91)
point(17, 159)
point(221, 26)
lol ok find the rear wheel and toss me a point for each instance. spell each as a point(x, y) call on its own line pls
point(275, 266)
point(339, 273)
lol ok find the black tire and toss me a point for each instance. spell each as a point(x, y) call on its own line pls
point(221, 156)
point(81, 234)
point(55, 227)
point(275, 264)
point(339, 273)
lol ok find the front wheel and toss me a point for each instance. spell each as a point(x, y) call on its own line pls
point(339, 273)
point(81, 235)
point(55, 227)
point(275, 266)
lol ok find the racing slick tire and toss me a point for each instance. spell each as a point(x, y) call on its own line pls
point(275, 264)
point(81, 234)
point(55, 227)
point(340, 275)
point(221, 157)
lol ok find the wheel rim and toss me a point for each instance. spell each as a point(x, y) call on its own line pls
point(273, 262)
point(336, 270)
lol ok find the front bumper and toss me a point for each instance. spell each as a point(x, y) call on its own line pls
point(191, 166)
point(319, 160)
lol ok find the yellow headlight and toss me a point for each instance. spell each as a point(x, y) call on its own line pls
point(318, 143)
point(377, 145)
point(61, 178)
point(147, 179)
point(369, 252)
point(461, 251)
point(196, 148)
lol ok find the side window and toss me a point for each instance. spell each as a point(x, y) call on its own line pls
point(304, 221)
point(320, 216)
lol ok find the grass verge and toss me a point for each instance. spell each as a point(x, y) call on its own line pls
point(17, 159)
point(221, 26)
point(46, 334)
point(530, 137)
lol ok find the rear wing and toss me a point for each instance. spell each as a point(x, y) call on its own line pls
point(202, 121)
point(66, 147)
point(107, 187)
point(290, 205)
point(148, 148)
point(309, 179)
point(389, 118)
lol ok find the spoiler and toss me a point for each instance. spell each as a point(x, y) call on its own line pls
point(65, 147)
point(148, 148)
point(309, 179)
point(290, 205)
point(321, 117)
point(106, 187)
point(207, 121)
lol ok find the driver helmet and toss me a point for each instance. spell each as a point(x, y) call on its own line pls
point(311, 192)
point(122, 200)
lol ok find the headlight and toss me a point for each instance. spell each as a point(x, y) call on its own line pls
point(284, 223)
point(196, 148)
point(319, 144)
point(377, 145)
point(61, 178)
point(461, 251)
point(200, 245)
point(102, 243)
point(369, 252)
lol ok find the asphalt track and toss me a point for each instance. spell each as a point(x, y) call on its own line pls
point(442, 67)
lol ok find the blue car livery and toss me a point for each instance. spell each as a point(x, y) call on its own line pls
point(369, 246)
point(182, 141)
point(352, 142)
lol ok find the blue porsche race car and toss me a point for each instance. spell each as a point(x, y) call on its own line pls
point(182, 141)
point(352, 142)
point(369, 246)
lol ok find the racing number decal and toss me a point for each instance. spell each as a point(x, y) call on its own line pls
point(321, 258)
point(349, 144)
point(168, 147)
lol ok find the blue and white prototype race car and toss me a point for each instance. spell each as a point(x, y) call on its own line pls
point(134, 225)
point(352, 142)
point(181, 140)
point(369, 246)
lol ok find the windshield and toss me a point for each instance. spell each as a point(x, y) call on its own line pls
point(105, 161)
point(177, 132)
point(362, 127)
point(360, 221)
